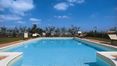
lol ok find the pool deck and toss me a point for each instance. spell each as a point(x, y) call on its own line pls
point(100, 42)
point(2, 57)
point(11, 43)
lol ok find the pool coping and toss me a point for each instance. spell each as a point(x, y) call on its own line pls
point(104, 44)
point(9, 57)
point(107, 56)
point(27, 41)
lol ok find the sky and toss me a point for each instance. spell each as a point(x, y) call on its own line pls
point(59, 13)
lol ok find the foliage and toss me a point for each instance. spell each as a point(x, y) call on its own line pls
point(97, 34)
point(50, 31)
point(6, 39)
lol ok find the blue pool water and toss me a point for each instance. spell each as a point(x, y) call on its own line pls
point(57, 52)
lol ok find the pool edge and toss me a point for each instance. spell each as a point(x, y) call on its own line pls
point(107, 57)
point(10, 56)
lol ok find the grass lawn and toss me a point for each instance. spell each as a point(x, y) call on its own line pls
point(96, 38)
point(8, 39)
point(100, 39)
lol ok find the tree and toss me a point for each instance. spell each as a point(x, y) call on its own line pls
point(50, 30)
point(34, 29)
point(73, 30)
point(57, 31)
point(3, 31)
point(63, 31)
point(113, 29)
point(40, 30)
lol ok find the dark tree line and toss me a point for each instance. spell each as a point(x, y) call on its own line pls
point(50, 31)
point(95, 33)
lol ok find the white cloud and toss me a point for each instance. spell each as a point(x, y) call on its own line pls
point(65, 5)
point(10, 17)
point(76, 1)
point(62, 17)
point(61, 6)
point(80, 1)
point(71, 4)
point(35, 20)
point(20, 22)
point(17, 6)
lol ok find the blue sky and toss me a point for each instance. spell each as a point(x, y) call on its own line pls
point(60, 13)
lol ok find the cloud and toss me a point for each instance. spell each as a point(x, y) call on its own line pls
point(16, 6)
point(10, 17)
point(35, 20)
point(20, 22)
point(61, 6)
point(76, 1)
point(62, 17)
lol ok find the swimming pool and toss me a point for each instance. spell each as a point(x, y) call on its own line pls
point(58, 52)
